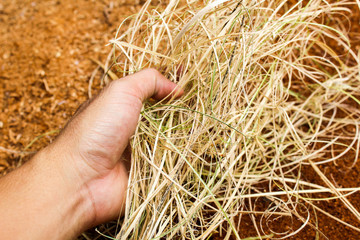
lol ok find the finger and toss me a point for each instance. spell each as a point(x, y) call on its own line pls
point(150, 83)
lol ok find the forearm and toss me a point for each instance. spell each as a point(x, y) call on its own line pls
point(39, 201)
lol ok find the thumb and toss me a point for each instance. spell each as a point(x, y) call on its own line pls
point(148, 83)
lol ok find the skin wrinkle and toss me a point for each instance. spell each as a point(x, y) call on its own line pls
point(92, 199)
point(155, 82)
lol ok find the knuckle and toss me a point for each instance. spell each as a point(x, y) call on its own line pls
point(125, 89)
point(113, 87)
point(113, 84)
point(152, 71)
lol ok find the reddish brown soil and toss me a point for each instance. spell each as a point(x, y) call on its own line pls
point(45, 66)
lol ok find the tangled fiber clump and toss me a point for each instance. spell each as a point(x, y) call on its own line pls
point(265, 96)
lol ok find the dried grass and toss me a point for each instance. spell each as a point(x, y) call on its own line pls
point(265, 95)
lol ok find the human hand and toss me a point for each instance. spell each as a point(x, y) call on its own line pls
point(86, 163)
point(96, 138)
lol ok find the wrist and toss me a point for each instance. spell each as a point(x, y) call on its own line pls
point(38, 198)
point(69, 190)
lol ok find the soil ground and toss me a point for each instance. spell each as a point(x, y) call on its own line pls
point(45, 68)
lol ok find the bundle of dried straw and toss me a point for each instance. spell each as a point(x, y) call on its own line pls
point(265, 97)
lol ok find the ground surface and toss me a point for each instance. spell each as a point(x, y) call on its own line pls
point(45, 66)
